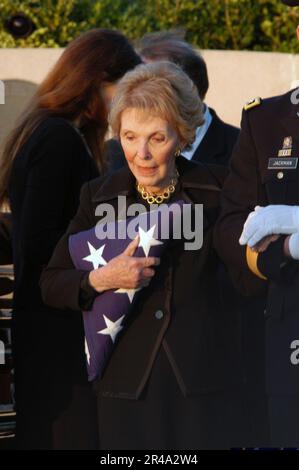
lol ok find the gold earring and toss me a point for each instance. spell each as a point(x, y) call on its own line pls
point(177, 152)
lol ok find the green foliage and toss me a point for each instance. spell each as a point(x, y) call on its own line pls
point(57, 22)
point(262, 25)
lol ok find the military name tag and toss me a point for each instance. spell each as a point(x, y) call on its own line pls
point(285, 163)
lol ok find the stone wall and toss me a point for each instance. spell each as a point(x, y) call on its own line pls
point(235, 77)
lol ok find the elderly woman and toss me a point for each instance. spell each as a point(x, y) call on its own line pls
point(172, 379)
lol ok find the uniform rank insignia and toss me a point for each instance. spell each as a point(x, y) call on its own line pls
point(253, 103)
point(286, 150)
point(284, 161)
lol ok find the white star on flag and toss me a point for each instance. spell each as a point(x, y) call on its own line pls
point(87, 351)
point(113, 328)
point(147, 240)
point(95, 257)
point(129, 292)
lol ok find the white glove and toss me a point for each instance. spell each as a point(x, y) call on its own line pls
point(294, 245)
point(274, 219)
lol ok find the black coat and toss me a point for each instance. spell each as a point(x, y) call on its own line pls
point(196, 334)
point(254, 181)
point(200, 345)
point(44, 189)
point(217, 145)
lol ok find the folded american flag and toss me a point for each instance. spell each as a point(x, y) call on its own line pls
point(94, 248)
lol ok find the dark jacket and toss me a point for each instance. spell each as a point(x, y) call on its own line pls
point(197, 334)
point(217, 145)
point(254, 181)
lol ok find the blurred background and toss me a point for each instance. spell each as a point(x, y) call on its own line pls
point(249, 45)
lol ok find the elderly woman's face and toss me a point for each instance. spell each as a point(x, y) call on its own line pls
point(149, 144)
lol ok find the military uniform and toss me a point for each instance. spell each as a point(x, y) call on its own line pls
point(264, 171)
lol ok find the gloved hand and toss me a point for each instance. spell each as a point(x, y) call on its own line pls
point(273, 219)
point(294, 245)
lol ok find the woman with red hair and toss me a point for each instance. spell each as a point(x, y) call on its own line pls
point(56, 146)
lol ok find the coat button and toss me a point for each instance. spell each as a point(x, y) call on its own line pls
point(159, 314)
point(280, 175)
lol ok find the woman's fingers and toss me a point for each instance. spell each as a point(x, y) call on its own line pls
point(131, 248)
point(149, 261)
point(133, 272)
point(148, 272)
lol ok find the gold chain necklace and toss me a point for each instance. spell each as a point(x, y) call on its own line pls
point(158, 198)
